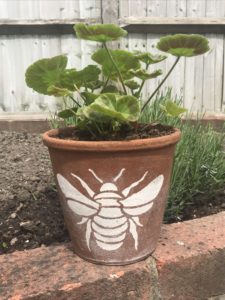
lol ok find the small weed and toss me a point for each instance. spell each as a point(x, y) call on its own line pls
point(3, 247)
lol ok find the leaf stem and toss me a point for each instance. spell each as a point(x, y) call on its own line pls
point(142, 84)
point(117, 69)
point(76, 88)
point(105, 83)
point(161, 83)
point(91, 132)
point(74, 101)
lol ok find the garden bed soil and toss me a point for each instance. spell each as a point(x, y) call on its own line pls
point(30, 214)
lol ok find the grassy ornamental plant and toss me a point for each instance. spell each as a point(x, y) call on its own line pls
point(198, 175)
point(107, 95)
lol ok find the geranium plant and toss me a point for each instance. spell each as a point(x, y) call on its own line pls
point(113, 193)
point(107, 95)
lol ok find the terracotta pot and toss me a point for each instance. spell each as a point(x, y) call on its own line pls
point(113, 194)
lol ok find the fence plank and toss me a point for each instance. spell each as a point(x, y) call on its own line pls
point(151, 47)
point(4, 14)
point(156, 8)
point(124, 9)
point(110, 11)
point(176, 8)
point(217, 8)
point(213, 70)
point(196, 9)
point(193, 67)
point(209, 76)
point(49, 9)
point(138, 8)
point(182, 8)
point(223, 79)
point(219, 73)
point(132, 8)
point(88, 8)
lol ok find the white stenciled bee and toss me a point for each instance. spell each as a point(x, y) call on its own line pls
point(109, 214)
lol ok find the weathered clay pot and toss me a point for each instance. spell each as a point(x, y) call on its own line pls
point(113, 194)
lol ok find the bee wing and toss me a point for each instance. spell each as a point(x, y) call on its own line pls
point(78, 203)
point(140, 202)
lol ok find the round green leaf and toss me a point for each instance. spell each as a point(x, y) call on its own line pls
point(143, 75)
point(149, 58)
point(184, 44)
point(58, 92)
point(99, 32)
point(129, 108)
point(110, 89)
point(67, 113)
point(93, 85)
point(87, 77)
point(68, 79)
point(124, 60)
point(88, 74)
point(87, 113)
point(172, 109)
point(45, 73)
point(132, 84)
point(121, 108)
point(89, 97)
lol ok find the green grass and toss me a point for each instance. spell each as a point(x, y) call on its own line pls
point(199, 167)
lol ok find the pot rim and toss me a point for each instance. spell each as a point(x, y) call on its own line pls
point(50, 140)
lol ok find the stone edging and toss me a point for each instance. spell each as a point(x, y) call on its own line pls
point(188, 264)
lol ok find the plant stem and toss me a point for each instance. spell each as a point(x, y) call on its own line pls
point(74, 101)
point(105, 83)
point(117, 69)
point(161, 83)
point(80, 93)
point(91, 132)
point(142, 84)
point(98, 128)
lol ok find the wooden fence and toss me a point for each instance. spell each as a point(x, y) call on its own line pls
point(30, 30)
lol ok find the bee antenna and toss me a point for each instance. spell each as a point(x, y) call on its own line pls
point(119, 175)
point(93, 173)
point(126, 191)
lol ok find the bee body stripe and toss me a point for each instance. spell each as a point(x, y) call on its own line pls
point(111, 212)
point(109, 247)
point(107, 195)
point(109, 202)
point(105, 239)
point(109, 223)
point(110, 231)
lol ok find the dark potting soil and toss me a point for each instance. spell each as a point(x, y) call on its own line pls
point(138, 131)
point(30, 214)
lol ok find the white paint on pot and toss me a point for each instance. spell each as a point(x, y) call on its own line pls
point(108, 216)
